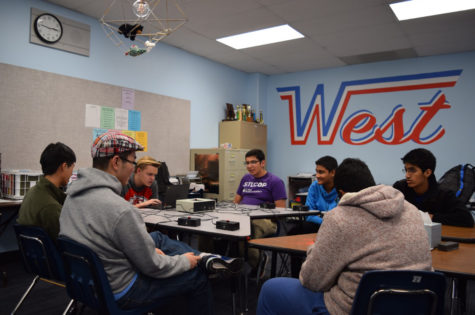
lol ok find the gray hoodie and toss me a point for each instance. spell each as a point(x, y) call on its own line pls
point(373, 229)
point(95, 215)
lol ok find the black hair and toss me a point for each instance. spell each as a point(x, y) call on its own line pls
point(54, 155)
point(103, 162)
point(257, 153)
point(353, 175)
point(327, 162)
point(422, 158)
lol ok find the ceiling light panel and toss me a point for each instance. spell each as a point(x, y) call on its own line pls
point(414, 9)
point(261, 37)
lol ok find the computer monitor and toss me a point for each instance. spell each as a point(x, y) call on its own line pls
point(174, 192)
point(220, 170)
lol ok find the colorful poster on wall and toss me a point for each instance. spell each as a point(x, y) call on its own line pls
point(134, 120)
point(96, 132)
point(141, 137)
point(121, 119)
point(107, 117)
point(128, 98)
point(130, 133)
point(93, 116)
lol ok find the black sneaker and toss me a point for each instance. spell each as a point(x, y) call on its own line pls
point(223, 266)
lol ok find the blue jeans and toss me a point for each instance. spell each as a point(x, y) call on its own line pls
point(280, 296)
point(193, 284)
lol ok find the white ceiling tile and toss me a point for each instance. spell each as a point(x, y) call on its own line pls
point(333, 29)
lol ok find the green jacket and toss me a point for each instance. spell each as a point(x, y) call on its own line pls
point(42, 206)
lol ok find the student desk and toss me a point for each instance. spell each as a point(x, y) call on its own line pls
point(458, 234)
point(457, 263)
point(227, 211)
point(169, 219)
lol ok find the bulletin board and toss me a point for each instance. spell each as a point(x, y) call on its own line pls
point(39, 107)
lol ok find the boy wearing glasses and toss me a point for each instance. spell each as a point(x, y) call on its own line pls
point(421, 189)
point(257, 187)
point(140, 266)
point(141, 189)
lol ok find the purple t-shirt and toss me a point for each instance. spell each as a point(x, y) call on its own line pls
point(267, 188)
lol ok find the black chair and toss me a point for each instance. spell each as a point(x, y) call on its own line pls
point(40, 258)
point(86, 280)
point(398, 292)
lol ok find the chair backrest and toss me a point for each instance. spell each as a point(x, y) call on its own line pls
point(400, 292)
point(86, 280)
point(39, 252)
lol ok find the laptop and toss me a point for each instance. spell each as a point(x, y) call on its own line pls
point(172, 193)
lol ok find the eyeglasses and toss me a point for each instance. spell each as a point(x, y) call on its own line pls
point(251, 162)
point(131, 162)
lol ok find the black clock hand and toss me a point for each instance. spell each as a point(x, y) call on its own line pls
point(51, 28)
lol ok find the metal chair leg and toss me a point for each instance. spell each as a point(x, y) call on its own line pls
point(35, 280)
point(68, 308)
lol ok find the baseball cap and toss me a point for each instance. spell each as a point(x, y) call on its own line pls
point(112, 143)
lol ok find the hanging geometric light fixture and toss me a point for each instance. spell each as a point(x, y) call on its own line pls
point(147, 21)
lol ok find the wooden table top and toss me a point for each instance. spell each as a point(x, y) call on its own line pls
point(460, 234)
point(457, 262)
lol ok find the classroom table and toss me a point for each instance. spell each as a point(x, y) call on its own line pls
point(168, 219)
point(224, 211)
point(458, 234)
point(456, 263)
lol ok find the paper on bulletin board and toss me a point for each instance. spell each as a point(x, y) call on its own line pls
point(121, 118)
point(93, 116)
point(107, 117)
point(142, 138)
point(129, 133)
point(96, 132)
point(134, 120)
point(128, 98)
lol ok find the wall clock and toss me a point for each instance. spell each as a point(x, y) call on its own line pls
point(48, 28)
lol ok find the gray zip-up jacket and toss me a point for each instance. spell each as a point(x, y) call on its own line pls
point(95, 215)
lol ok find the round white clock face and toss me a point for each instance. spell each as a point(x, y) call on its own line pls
point(48, 28)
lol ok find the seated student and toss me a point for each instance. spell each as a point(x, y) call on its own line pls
point(257, 187)
point(141, 267)
point(141, 189)
point(321, 196)
point(42, 204)
point(372, 228)
point(421, 189)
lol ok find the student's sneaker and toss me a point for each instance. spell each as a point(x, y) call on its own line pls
point(222, 266)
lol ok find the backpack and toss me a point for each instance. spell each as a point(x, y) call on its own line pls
point(461, 180)
point(162, 178)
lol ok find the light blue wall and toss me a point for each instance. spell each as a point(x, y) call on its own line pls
point(456, 146)
point(165, 70)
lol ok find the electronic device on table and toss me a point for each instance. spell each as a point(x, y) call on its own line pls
point(195, 204)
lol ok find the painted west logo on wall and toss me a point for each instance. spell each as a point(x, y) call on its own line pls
point(361, 127)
